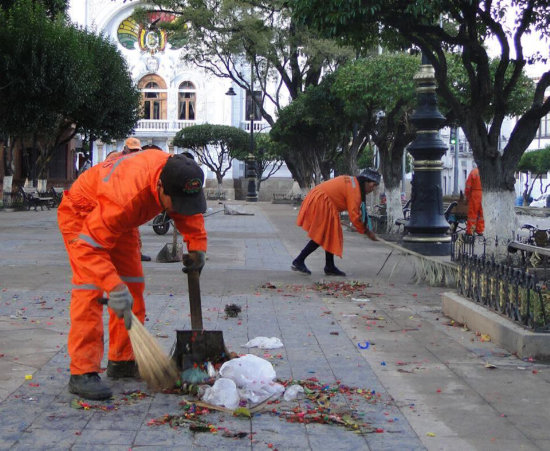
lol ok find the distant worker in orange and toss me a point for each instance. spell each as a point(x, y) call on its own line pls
point(320, 216)
point(473, 196)
point(99, 218)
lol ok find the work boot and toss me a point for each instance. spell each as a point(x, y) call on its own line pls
point(334, 271)
point(123, 368)
point(300, 267)
point(89, 386)
point(145, 258)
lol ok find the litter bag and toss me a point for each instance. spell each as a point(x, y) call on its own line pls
point(292, 392)
point(264, 343)
point(253, 376)
point(223, 393)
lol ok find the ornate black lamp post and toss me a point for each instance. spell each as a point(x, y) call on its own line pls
point(426, 231)
point(250, 164)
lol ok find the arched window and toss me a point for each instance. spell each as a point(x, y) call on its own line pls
point(187, 101)
point(154, 97)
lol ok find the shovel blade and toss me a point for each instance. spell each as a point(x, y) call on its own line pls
point(197, 347)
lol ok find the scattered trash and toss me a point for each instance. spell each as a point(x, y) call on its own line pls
point(264, 343)
point(253, 376)
point(490, 366)
point(28, 377)
point(223, 393)
point(292, 392)
point(364, 346)
point(334, 333)
point(430, 434)
point(232, 310)
point(361, 299)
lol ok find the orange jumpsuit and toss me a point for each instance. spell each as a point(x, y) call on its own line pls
point(320, 212)
point(99, 219)
point(473, 194)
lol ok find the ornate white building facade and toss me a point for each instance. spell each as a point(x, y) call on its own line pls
point(174, 94)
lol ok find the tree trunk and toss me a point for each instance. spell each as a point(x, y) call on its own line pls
point(391, 166)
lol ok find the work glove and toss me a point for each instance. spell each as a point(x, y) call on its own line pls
point(193, 261)
point(121, 303)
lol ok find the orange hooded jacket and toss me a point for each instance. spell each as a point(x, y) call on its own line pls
point(319, 215)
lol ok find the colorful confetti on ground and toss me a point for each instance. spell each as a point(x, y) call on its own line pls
point(127, 398)
point(319, 406)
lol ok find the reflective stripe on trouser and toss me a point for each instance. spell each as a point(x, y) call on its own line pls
point(475, 215)
point(86, 340)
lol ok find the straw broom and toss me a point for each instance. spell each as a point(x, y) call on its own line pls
point(155, 367)
point(435, 272)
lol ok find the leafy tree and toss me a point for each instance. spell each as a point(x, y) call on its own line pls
point(226, 37)
point(215, 146)
point(537, 163)
point(268, 157)
point(312, 127)
point(53, 8)
point(378, 95)
point(463, 28)
point(59, 80)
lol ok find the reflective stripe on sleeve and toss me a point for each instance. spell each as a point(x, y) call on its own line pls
point(352, 182)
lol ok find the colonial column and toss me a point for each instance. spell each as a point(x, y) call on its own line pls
point(426, 231)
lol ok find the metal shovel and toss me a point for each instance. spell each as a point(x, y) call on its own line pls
point(197, 346)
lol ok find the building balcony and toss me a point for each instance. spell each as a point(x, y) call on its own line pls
point(172, 127)
point(162, 125)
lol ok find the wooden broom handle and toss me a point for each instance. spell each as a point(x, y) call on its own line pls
point(193, 282)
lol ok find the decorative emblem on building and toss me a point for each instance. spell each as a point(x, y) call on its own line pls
point(148, 36)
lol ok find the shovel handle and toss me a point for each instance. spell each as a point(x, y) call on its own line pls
point(193, 281)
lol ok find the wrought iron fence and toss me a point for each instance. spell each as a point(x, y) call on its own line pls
point(503, 277)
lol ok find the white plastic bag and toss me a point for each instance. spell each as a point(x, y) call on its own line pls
point(291, 393)
point(264, 343)
point(223, 393)
point(254, 376)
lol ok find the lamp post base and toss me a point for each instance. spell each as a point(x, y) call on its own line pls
point(428, 245)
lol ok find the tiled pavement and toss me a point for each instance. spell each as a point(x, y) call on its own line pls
point(432, 388)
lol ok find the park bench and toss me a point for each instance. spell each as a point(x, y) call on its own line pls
point(292, 199)
point(214, 194)
point(32, 198)
point(57, 194)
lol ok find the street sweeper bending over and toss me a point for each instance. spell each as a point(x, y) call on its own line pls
point(99, 218)
point(320, 216)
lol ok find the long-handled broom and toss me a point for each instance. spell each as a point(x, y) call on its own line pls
point(155, 367)
point(435, 272)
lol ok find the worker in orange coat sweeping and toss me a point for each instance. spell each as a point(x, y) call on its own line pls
point(473, 195)
point(99, 218)
point(320, 216)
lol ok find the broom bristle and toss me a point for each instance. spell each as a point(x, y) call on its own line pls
point(155, 367)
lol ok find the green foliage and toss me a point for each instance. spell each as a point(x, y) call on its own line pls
point(477, 96)
point(536, 162)
point(58, 80)
point(214, 145)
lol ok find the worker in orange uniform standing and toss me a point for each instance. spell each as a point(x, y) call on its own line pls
point(473, 196)
point(320, 216)
point(99, 219)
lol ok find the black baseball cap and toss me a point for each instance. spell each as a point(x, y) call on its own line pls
point(182, 180)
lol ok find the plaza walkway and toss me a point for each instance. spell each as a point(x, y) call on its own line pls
point(379, 355)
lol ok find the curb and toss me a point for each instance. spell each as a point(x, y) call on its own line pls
point(524, 343)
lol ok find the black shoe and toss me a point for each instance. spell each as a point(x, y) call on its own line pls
point(123, 368)
point(145, 258)
point(89, 386)
point(300, 267)
point(334, 271)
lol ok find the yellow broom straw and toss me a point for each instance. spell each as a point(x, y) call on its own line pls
point(155, 367)
point(435, 272)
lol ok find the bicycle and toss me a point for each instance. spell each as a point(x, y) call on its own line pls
point(537, 237)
